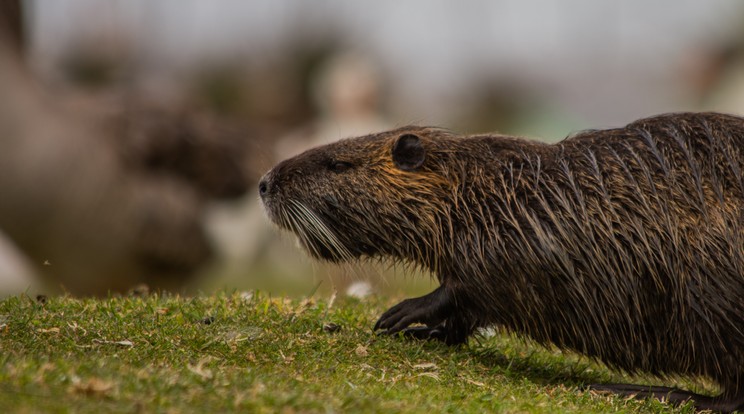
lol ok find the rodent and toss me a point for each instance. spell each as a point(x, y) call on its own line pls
point(625, 244)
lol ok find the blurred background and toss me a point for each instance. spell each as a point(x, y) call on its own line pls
point(133, 132)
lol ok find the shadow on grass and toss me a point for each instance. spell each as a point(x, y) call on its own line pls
point(538, 364)
point(520, 359)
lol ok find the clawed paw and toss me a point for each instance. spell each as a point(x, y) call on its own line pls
point(402, 315)
point(424, 332)
point(434, 311)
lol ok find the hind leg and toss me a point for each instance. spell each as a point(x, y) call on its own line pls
point(723, 403)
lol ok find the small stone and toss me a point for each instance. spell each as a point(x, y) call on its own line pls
point(331, 327)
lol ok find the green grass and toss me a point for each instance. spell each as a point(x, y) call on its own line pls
point(229, 352)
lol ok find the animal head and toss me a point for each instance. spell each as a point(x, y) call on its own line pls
point(374, 196)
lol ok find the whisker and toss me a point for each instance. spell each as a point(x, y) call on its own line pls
point(313, 225)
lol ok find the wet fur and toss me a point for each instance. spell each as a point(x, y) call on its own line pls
point(626, 245)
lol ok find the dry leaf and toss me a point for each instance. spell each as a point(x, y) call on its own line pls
point(476, 383)
point(429, 374)
point(426, 365)
point(125, 343)
point(94, 386)
point(200, 370)
point(361, 350)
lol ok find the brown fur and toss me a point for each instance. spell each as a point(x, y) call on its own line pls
point(626, 245)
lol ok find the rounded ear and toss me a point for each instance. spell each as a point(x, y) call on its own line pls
point(408, 153)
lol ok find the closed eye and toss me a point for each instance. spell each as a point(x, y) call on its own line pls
point(339, 166)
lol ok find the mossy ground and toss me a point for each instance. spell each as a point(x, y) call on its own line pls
point(255, 353)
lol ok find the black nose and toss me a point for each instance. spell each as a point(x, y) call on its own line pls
point(264, 186)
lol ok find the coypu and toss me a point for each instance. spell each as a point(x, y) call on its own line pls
point(625, 245)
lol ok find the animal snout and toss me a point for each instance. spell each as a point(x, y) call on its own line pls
point(265, 186)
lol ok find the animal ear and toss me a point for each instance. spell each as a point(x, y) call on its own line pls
point(408, 153)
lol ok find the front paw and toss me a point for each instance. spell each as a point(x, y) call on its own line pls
point(406, 313)
point(436, 311)
point(438, 333)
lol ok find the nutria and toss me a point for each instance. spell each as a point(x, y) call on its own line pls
point(626, 245)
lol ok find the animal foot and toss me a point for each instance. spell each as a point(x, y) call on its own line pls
point(435, 311)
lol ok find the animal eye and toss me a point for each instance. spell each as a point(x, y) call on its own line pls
point(339, 166)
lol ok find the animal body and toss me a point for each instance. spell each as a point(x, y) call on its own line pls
point(626, 245)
